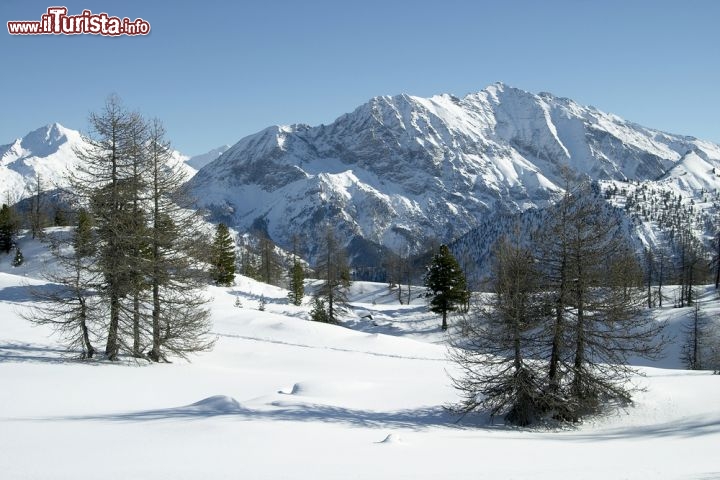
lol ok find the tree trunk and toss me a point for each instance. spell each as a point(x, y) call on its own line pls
point(660, 283)
point(89, 349)
point(155, 352)
point(556, 347)
point(111, 348)
point(717, 265)
point(553, 377)
point(136, 325)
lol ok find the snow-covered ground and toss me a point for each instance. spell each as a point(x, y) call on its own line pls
point(283, 397)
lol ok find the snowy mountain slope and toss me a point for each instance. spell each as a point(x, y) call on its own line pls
point(399, 170)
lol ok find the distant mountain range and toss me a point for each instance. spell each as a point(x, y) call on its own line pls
point(399, 171)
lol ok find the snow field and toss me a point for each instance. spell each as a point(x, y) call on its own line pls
point(283, 397)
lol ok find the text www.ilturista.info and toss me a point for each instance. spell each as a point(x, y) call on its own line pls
point(57, 22)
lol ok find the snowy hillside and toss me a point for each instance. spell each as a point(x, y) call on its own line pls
point(283, 397)
point(399, 170)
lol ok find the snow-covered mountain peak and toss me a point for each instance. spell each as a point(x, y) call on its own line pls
point(48, 136)
point(48, 151)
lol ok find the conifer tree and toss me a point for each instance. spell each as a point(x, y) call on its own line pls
point(18, 260)
point(297, 285)
point(584, 318)
point(137, 232)
point(297, 277)
point(179, 321)
point(37, 220)
point(144, 261)
point(104, 180)
point(595, 287)
point(270, 266)
point(222, 257)
point(319, 311)
point(59, 218)
point(697, 350)
point(72, 308)
point(334, 270)
point(8, 228)
point(499, 341)
point(445, 284)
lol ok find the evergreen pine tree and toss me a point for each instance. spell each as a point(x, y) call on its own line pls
point(8, 228)
point(297, 285)
point(445, 284)
point(18, 259)
point(83, 238)
point(59, 219)
point(296, 274)
point(222, 257)
point(319, 311)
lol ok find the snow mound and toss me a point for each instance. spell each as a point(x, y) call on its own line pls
point(392, 438)
point(326, 389)
point(296, 389)
point(217, 404)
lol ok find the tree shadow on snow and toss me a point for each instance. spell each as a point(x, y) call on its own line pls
point(689, 427)
point(24, 293)
point(413, 419)
point(28, 352)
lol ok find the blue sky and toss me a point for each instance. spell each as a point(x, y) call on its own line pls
point(215, 71)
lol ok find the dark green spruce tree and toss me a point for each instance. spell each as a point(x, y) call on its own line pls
point(222, 257)
point(297, 286)
point(297, 277)
point(445, 282)
point(19, 259)
point(8, 228)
